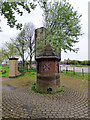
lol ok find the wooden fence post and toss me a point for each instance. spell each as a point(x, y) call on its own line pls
point(66, 69)
point(82, 72)
point(74, 70)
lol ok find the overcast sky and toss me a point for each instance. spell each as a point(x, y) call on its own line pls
point(36, 17)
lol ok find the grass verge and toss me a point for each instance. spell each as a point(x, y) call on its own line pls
point(84, 76)
point(25, 80)
point(4, 68)
point(79, 66)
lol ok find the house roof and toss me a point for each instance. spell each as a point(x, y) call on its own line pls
point(47, 52)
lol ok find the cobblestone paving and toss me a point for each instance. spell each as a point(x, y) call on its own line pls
point(24, 103)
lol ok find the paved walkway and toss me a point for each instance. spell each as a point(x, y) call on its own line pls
point(24, 103)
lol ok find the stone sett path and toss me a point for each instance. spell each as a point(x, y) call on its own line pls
point(24, 103)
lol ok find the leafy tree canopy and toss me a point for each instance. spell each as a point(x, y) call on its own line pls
point(8, 9)
point(7, 52)
point(62, 25)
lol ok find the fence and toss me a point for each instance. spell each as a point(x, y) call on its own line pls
point(74, 71)
point(26, 67)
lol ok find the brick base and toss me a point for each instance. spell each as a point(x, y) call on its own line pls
point(45, 82)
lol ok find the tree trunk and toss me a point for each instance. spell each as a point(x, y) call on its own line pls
point(22, 58)
point(30, 53)
point(30, 61)
point(60, 54)
point(23, 61)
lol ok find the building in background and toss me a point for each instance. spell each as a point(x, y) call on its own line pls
point(66, 61)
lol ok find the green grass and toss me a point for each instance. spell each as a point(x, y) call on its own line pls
point(27, 74)
point(77, 75)
point(22, 70)
point(6, 67)
point(33, 69)
point(25, 69)
point(25, 80)
point(79, 66)
point(3, 68)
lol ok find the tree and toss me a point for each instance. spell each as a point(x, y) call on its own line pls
point(74, 62)
point(20, 44)
point(24, 42)
point(85, 62)
point(29, 29)
point(4, 56)
point(8, 9)
point(8, 51)
point(1, 59)
point(62, 25)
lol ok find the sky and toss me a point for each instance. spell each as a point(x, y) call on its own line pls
point(36, 17)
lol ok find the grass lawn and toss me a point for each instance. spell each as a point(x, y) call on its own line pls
point(79, 66)
point(3, 68)
point(6, 67)
point(24, 80)
point(25, 69)
point(74, 83)
point(84, 76)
